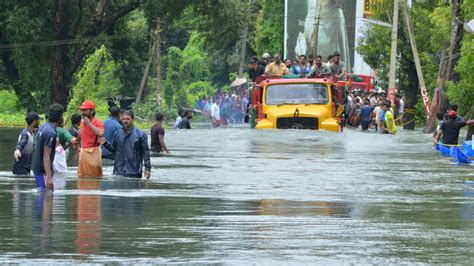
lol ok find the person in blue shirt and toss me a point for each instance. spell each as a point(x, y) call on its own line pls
point(366, 115)
point(302, 68)
point(111, 126)
point(130, 146)
point(45, 149)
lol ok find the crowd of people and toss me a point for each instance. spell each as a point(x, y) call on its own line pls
point(222, 108)
point(373, 110)
point(43, 148)
point(311, 66)
point(361, 108)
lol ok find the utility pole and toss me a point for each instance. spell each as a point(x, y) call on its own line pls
point(244, 48)
point(313, 43)
point(248, 6)
point(158, 61)
point(421, 80)
point(393, 53)
point(141, 89)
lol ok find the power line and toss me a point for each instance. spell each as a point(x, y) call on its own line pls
point(67, 41)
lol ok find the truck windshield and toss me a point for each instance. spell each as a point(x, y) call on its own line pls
point(297, 93)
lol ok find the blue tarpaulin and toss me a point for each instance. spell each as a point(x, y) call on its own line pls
point(458, 156)
point(467, 148)
point(443, 150)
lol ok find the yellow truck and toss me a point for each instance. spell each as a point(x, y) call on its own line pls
point(305, 103)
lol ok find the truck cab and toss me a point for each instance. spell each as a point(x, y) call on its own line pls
point(305, 103)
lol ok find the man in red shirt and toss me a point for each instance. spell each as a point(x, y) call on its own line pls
point(90, 157)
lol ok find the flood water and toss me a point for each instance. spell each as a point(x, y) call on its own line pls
point(238, 195)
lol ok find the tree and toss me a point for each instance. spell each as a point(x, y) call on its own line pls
point(66, 59)
point(88, 76)
point(462, 93)
point(428, 21)
point(46, 41)
point(269, 28)
point(447, 72)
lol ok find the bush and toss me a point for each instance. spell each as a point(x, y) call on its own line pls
point(10, 102)
point(150, 107)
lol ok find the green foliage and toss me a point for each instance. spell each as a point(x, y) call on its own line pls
point(150, 107)
point(208, 33)
point(199, 89)
point(462, 93)
point(269, 28)
point(88, 78)
point(12, 120)
point(173, 78)
point(374, 47)
point(10, 103)
point(196, 61)
point(188, 75)
point(109, 84)
point(130, 54)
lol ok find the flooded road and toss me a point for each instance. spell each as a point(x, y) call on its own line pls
point(238, 195)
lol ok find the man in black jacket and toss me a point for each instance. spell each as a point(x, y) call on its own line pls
point(130, 146)
point(24, 148)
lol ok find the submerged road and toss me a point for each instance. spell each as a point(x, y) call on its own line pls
point(237, 195)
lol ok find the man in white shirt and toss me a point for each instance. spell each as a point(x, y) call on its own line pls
point(215, 114)
point(177, 123)
point(377, 112)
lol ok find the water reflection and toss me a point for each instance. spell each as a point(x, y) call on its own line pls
point(89, 218)
point(302, 208)
point(467, 208)
point(42, 215)
point(8, 139)
point(237, 196)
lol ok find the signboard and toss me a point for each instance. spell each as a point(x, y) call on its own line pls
point(371, 6)
point(320, 27)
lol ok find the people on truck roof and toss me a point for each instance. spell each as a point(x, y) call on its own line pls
point(301, 68)
point(337, 68)
point(265, 60)
point(318, 70)
point(255, 70)
point(311, 59)
point(277, 68)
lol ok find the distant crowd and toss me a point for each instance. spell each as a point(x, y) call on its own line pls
point(224, 108)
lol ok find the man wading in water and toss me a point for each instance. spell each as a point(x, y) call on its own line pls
point(130, 147)
point(90, 157)
point(157, 135)
point(449, 129)
point(46, 148)
point(24, 148)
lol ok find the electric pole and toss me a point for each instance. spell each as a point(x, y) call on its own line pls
point(158, 61)
point(393, 53)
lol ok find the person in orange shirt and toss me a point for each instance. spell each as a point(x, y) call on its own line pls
point(90, 156)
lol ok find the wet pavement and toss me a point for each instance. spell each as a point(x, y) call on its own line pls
point(238, 195)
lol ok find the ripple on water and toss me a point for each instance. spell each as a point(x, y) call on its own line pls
point(236, 195)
